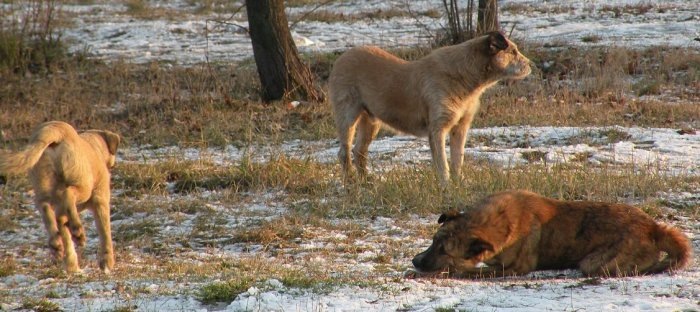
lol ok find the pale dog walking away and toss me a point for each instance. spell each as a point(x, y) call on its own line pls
point(69, 172)
point(433, 96)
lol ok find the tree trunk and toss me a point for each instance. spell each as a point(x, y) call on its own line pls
point(487, 18)
point(281, 71)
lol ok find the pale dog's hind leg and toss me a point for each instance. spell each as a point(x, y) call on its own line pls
point(49, 217)
point(347, 112)
point(367, 129)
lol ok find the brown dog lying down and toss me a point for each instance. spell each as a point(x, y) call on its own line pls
point(69, 172)
point(516, 232)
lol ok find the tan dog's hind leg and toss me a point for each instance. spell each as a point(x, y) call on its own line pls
point(49, 217)
point(346, 123)
point(100, 211)
point(70, 259)
point(458, 137)
point(437, 147)
point(71, 211)
point(367, 129)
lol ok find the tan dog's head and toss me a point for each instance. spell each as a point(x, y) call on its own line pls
point(506, 60)
point(455, 247)
point(112, 141)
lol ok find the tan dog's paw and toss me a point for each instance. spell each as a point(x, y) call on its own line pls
point(107, 264)
point(72, 268)
point(57, 251)
point(78, 234)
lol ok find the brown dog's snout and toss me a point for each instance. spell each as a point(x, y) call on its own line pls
point(426, 261)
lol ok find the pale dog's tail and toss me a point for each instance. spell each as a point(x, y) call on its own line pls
point(48, 133)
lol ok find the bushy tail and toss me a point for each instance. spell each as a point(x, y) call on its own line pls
point(677, 245)
point(46, 134)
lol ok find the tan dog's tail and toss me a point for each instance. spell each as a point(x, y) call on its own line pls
point(46, 134)
point(677, 245)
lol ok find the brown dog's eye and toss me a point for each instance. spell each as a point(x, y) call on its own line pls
point(477, 247)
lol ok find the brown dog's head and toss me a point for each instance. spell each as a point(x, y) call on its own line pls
point(506, 60)
point(455, 247)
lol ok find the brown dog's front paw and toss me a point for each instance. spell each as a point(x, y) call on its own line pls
point(411, 274)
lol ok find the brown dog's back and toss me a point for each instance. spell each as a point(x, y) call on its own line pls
point(581, 230)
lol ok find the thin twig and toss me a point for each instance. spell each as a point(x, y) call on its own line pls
point(291, 26)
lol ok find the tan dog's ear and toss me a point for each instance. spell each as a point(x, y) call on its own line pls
point(450, 215)
point(496, 42)
point(111, 139)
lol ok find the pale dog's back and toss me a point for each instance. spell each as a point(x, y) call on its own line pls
point(69, 172)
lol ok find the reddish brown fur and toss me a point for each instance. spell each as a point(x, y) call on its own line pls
point(433, 96)
point(517, 232)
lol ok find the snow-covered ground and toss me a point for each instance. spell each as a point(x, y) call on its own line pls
point(668, 149)
point(105, 30)
point(548, 290)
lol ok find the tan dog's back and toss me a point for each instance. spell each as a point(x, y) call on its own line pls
point(383, 84)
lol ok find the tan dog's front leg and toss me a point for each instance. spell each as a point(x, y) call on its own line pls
point(104, 231)
point(437, 147)
point(458, 137)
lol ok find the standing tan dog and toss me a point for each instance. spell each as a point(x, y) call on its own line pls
point(69, 173)
point(516, 232)
point(433, 96)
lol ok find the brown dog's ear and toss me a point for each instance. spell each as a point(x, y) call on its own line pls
point(111, 139)
point(447, 216)
point(477, 247)
point(496, 42)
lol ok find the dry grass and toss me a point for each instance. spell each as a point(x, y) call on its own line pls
point(194, 106)
point(329, 16)
point(217, 105)
point(147, 10)
point(332, 217)
point(312, 189)
point(524, 9)
point(629, 9)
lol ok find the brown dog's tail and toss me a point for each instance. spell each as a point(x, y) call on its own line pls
point(676, 244)
point(48, 133)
